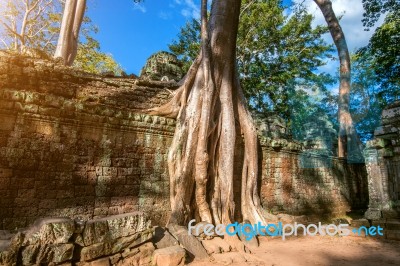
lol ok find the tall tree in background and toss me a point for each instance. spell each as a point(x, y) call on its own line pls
point(28, 23)
point(347, 134)
point(67, 46)
point(42, 28)
point(207, 106)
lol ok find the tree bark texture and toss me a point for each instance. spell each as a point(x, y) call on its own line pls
point(67, 46)
point(209, 108)
point(347, 139)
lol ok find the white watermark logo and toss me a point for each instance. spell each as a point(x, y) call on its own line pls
point(279, 229)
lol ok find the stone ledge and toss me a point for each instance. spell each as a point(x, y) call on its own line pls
point(58, 240)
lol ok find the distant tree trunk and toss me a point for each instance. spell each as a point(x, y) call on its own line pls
point(347, 134)
point(207, 107)
point(67, 46)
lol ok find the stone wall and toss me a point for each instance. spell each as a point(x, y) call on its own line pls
point(383, 164)
point(297, 182)
point(76, 145)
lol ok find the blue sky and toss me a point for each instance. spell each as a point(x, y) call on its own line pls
point(132, 32)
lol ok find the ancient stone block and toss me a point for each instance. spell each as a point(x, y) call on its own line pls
point(170, 256)
point(49, 231)
point(114, 227)
point(38, 254)
point(94, 251)
point(96, 231)
point(163, 239)
point(131, 241)
point(141, 258)
point(189, 242)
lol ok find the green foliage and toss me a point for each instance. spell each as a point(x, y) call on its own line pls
point(89, 57)
point(375, 8)
point(278, 54)
point(187, 46)
point(384, 51)
point(367, 97)
point(277, 57)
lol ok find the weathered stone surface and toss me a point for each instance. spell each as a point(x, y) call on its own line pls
point(373, 214)
point(170, 256)
point(77, 132)
point(49, 231)
point(141, 258)
point(101, 262)
point(163, 239)
point(393, 234)
point(114, 227)
point(189, 242)
point(10, 248)
point(382, 163)
point(393, 225)
point(38, 254)
point(131, 241)
point(216, 245)
point(95, 251)
point(115, 258)
point(114, 246)
point(127, 224)
point(162, 66)
point(360, 222)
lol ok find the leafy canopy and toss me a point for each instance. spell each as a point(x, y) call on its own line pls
point(277, 57)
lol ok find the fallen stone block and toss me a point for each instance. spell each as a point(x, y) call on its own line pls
point(131, 241)
point(45, 254)
point(49, 231)
point(163, 239)
point(112, 247)
point(142, 258)
point(114, 227)
point(189, 242)
point(170, 256)
point(95, 251)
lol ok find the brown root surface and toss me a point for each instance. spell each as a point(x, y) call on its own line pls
point(211, 112)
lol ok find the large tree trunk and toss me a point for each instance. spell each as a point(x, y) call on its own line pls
point(348, 139)
point(207, 106)
point(67, 46)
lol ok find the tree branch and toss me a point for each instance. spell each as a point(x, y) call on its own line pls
point(11, 30)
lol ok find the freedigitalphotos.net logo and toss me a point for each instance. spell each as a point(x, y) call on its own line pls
point(279, 229)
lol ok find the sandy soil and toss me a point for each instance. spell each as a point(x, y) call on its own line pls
point(317, 250)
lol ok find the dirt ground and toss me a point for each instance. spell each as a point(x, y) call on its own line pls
point(317, 250)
